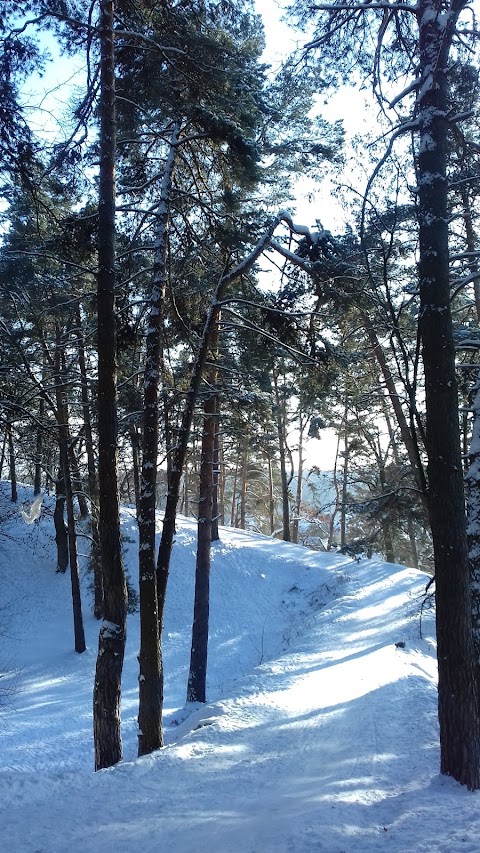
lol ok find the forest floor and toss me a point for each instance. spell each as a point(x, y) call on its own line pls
point(320, 733)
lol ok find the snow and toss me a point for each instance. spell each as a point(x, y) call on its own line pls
point(321, 727)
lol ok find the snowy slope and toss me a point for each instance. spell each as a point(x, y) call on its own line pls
point(320, 733)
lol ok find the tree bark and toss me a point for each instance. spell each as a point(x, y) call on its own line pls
point(299, 489)
point(197, 677)
point(473, 528)
point(457, 695)
point(344, 490)
point(334, 513)
point(2, 455)
point(77, 485)
point(61, 537)
point(95, 552)
point(233, 509)
point(135, 444)
point(11, 464)
point(280, 417)
point(64, 442)
point(150, 735)
point(216, 499)
point(244, 481)
point(271, 499)
point(37, 487)
point(112, 636)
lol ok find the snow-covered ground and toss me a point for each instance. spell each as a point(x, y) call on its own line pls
point(320, 733)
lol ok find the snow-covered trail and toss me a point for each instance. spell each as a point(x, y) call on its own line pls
point(321, 733)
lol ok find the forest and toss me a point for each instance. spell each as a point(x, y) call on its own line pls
point(173, 333)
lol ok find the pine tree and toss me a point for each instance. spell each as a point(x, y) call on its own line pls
point(422, 37)
point(112, 638)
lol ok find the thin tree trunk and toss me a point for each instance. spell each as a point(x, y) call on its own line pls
point(64, 441)
point(388, 543)
point(473, 473)
point(150, 735)
point(197, 677)
point(299, 489)
point(207, 505)
point(331, 525)
point(457, 694)
point(185, 508)
point(216, 473)
point(398, 462)
point(280, 416)
point(134, 441)
point(233, 511)
point(95, 552)
point(61, 537)
point(271, 499)
point(221, 480)
point(37, 487)
point(112, 636)
point(4, 450)
point(413, 542)
point(473, 528)
point(11, 464)
point(345, 472)
point(77, 484)
point(244, 483)
point(78, 629)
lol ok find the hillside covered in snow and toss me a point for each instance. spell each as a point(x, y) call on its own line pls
point(320, 732)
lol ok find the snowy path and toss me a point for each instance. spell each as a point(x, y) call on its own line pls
point(328, 745)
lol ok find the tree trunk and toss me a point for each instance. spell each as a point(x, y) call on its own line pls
point(197, 678)
point(233, 511)
point(457, 695)
point(473, 473)
point(271, 499)
point(2, 456)
point(134, 441)
point(185, 507)
point(398, 462)
point(331, 524)
point(61, 537)
point(95, 552)
point(216, 473)
point(280, 416)
point(221, 479)
point(11, 464)
point(344, 490)
point(77, 485)
point(244, 483)
point(150, 735)
point(112, 637)
point(473, 528)
point(388, 544)
point(78, 630)
point(413, 543)
point(299, 489)
point(64, 442)
point(37, 487)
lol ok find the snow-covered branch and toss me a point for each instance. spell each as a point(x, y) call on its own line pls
point(291, 256)
point(403, 94)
